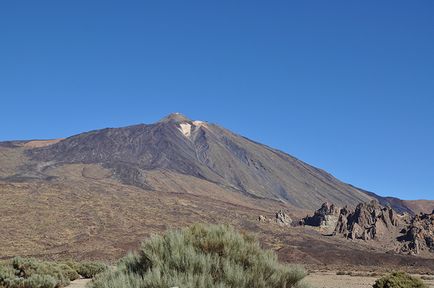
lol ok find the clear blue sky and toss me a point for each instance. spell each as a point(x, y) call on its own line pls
point(347, 86)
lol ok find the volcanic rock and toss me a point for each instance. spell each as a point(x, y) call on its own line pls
point(283, 219)
point(327, 216)
point(262, 218)
point(419, 235)
point(367, 221)
point(138, 154)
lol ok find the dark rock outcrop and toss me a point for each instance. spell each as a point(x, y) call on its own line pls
point(326, 216)
point(419, 235)
point(366, 221)
point(283, 219)
point(371, 220)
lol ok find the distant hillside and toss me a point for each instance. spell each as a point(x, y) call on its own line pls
point(409, 206)
point(420, 206)
point(160, 156)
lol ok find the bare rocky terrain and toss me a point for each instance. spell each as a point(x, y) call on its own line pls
point(98, 194)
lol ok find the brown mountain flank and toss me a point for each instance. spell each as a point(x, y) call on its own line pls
point(41, 143)
point(420, 206)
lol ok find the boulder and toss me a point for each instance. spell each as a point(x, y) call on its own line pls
point(283, 219)
point(326, 216)
point(262, 218)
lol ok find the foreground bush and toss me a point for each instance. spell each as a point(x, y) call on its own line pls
point(399, 280)
point(89, 269)
point(40, 281)
point(6, 275)
point(43, 274)
point(32, 273)
point(200, 256)
point(86, 269)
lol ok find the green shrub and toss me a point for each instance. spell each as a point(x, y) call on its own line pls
point(69, 272)
point(7, 275)
point(39, 281)
point(399, 280)
point(24, 266)
point(201, 256)
point(87, 269)
point(27, 267)
point(90, 269)
point(32, 273)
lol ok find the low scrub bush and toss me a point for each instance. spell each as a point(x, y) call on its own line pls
point(201, 256)
point(7, 274)
point(43, 272)
point(69, 272)
point(399, 280)
point(90, 269)
point(40, 281)
point(87, 269)
point(32, 273)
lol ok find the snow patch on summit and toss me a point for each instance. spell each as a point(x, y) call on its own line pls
point(185, 129)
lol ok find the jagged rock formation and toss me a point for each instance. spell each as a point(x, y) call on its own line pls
point(283, 219)
point(327, 216)
point(419, 235)
point(366, 221)
point(371, 220)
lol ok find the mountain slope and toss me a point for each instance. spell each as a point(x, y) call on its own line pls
point(98, 194)
point(205, 151)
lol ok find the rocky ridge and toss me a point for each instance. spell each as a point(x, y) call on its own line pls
point(419, 235)
point(367, 221)
point(372, 221)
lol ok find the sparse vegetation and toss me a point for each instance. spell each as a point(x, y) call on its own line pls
point(358, 274)
point(427, 278)
point(201, 256)
point(32, 273)
point(399, 280)
point(87, 269)
point(39, 281)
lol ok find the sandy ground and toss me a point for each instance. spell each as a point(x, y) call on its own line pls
point(80, 283)
point(331, 280)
